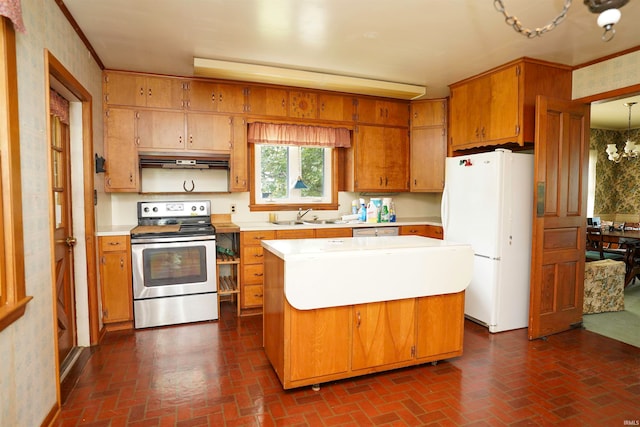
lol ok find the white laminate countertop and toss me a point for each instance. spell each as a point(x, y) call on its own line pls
point(113, 230)
point(331, 272)
point(264, 225)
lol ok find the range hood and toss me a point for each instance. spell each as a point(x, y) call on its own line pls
point(172, 162)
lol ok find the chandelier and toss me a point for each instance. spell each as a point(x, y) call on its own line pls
point(631, 150)
point(609, 15)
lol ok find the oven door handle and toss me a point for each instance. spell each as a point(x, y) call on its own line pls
point(141, 240)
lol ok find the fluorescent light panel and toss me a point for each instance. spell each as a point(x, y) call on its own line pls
point(307, 79)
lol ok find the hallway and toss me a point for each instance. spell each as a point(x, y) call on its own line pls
point(216, 374)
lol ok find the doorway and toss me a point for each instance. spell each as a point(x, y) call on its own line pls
point(80, 155)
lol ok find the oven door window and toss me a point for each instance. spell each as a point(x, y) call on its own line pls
point(174, 266)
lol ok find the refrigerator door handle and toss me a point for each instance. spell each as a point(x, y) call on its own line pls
point(493, 258)
point(444, 210)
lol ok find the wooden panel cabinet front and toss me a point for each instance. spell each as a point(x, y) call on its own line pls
point(122, 173)
point(115, 279)
point(252, 268)
point(423, 230)
point(209, 132)
point(140, 90)
point(440, 326)
point(160, 130)
point(267, 101)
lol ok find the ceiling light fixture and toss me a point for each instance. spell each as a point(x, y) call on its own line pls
point(608, 10)
point(631, 150)
point(306, 79)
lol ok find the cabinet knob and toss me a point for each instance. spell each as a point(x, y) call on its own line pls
point(358, 319)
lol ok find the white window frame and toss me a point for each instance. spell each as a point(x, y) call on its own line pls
point(295, 195)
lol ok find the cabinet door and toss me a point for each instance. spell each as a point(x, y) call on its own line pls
point(335, 107)
point(413, 230)
point(230, 98)
point(434, 231)
point(383, 333)
point(458, 125)
point(303, 104)
point(375, 111)
point(268, 101)
point(115, 277)
point(208, 132)
point(201, 96)
point(160, 130)
point(440, 325)
point(396, 159)
point(503, 115)
point(333, 232)
point(120, 151)
point(428, 113)
point(428, 153)
point(319, 342)
point(477, 111)
point(164, 92)
point(307, 233)
point(124, 89)
point(369, 161)
point(239, 160)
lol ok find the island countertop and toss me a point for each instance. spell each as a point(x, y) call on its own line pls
point(343, 271)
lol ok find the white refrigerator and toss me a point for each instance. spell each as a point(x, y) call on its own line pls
point(488, 203)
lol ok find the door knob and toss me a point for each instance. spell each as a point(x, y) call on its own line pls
point(70, 241)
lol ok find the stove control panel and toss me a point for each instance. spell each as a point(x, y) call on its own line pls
point(174, 209)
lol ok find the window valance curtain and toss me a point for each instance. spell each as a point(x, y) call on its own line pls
point(58, 106)
point(12, 10)
point(300, 135)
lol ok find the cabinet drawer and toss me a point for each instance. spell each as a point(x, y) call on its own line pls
point(333, 232)
point(296, 234)
point(434, 231)
point(252, 255)
point(413, 230)
point(253, 274)
point(252, 296)
point(254, 237)
point(114, 243)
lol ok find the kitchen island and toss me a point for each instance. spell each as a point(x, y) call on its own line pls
point(339, 308)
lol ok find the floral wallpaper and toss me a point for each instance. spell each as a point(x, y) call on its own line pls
point(617, 184)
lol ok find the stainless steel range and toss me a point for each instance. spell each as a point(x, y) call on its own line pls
point(173, 257)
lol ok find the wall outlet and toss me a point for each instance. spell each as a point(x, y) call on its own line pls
point(233, 208)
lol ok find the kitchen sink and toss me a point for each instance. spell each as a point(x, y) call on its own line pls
point(289, 222)
point(321, 221)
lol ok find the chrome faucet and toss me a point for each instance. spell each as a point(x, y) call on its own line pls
point(301, 214)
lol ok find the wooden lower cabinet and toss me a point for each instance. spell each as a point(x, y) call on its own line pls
point(433, 231)
point(308, 347)
point(115, 281)
point(383, 333)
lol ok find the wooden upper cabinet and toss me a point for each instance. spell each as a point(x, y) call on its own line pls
point(120, 151)
point(239, 170)
point(267, 101)
point(139, 90)
point(428, 113)
point(428, 145)
point(215, 97)
point(382, 112)
point(497, 107)
point(208, 132)
point(303, 105)
point(378, 160)
point(335, 107)
point(160, 130)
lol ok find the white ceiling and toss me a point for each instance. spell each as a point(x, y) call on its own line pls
point(424, 42)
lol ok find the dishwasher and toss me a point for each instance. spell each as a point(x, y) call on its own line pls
point(375, 231)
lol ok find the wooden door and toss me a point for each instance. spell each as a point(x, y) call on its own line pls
point(208, 132)
point(319, 342)
point(440, 325)
point(122, 160)
point(164, 92)
point(230, 98)
point(239, 162)
point(478, 102)
point(201, 96)
point(428, 151)
point(268, 101)
point(115, 275)
point(396, 159)
point(459, 123)
point(63, 238)
point(124, 89)
point(335, 107)
point(428, 113)
point(369, 158)
point(503, 118)
point(383, 333)
point(560, 200)
point(160, 130)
